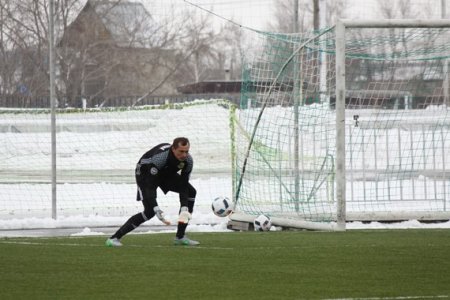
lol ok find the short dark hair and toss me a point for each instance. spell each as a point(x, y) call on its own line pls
point(180, 141)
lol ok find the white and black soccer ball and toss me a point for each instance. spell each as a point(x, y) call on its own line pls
point(262, 223)
point(222, 206)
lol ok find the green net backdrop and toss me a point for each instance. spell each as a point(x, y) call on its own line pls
point(396, 125)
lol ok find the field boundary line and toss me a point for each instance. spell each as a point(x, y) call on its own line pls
point(102, 245)
point(393, 298)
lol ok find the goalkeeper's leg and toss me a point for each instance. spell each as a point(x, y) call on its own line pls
point(132, 223)
point(149, 201)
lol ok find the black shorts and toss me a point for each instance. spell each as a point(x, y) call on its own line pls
point(147, 189)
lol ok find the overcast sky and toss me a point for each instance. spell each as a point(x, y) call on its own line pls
point(255, 13)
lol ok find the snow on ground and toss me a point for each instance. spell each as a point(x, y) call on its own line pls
point(97, 152)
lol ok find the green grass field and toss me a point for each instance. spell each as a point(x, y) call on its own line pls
point(376, 264)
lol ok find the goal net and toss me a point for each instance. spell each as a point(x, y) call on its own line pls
point(96, 152)
point(351, 123)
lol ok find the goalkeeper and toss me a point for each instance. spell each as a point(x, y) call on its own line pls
point(168, 167)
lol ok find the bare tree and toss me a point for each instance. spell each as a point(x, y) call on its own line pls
point(284, 16)
point(307, 14)
point(401, 9)
point(24, 37)
point(214, 50)
point(108, 48)
point(7, 52)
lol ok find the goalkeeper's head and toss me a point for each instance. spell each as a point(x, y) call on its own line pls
point(180, 148)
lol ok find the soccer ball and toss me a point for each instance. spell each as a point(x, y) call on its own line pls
point(262, 223)
point(222, 206)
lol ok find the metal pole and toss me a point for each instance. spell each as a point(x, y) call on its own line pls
point(51, 39)
point(340, 125)
point(323, 57)
point(443, 9)
point(445, 77)
point(295, 25)
point(444, 178)
point(297, 100)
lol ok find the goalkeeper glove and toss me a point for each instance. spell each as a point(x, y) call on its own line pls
point(160, 215)
point(184, 216)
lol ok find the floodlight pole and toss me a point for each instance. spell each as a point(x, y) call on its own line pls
point(340, 125)
point(51, 47)
point(323, 57)
point(445, 77)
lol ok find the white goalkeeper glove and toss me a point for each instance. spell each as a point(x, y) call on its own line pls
point(184, 216)
point(160, 215)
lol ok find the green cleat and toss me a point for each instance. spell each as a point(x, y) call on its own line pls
point(185, 241)
point(113, 243)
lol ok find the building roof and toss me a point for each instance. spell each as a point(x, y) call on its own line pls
point(211, 87)
point(129, 23)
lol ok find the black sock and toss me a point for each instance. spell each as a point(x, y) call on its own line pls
point(129, 225)
point(181, 229)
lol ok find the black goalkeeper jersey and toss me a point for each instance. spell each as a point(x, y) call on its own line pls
point(159, 164)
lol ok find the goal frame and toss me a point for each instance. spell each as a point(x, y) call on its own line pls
point(340, 27)
point(340, 168)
